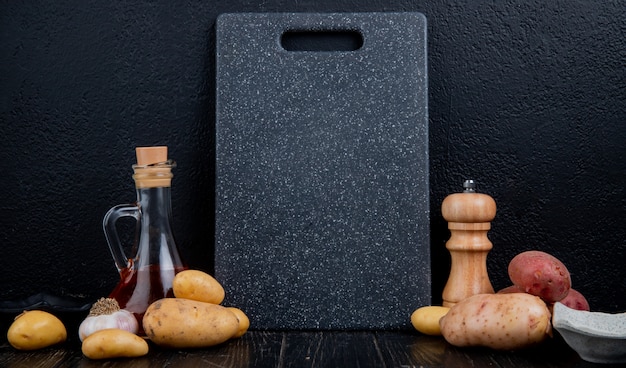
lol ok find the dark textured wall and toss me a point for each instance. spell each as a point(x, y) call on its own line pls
point(526, 97)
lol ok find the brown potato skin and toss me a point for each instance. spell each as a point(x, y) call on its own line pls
point(541, 274)
point(184, 323)
point(197, 285)
point(36, 329)
point(114, 343)
point(244, 321)
point(426, 319)
point(498, 321)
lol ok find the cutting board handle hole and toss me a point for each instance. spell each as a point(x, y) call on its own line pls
point(340, 40)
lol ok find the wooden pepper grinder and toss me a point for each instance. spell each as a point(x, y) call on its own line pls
point(469, 216)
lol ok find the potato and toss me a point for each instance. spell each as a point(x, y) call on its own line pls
point(244, 321)
point(184, 323)
point(510, 289)
point(114, 343)
point(197, 285)
point(426, 319)
point(541, 274)
point(498, 321)
point(36, 329)
point(575, 300)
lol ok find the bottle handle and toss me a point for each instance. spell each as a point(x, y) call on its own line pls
point(110, 232)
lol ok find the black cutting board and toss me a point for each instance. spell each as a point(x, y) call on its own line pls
point(322, 206)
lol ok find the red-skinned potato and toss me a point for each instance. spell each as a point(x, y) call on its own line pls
point(541, 274)
point(510, 289)
point(575, 300)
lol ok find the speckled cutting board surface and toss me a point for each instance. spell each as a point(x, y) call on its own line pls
point(322, 206)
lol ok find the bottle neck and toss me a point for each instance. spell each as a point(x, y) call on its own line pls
point(156, 244)
point(153, 176)
point(153, 185)
point(155, 205)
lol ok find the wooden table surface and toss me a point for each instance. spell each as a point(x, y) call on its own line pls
point(312, 349)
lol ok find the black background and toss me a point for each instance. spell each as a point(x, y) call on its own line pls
point(526, 97)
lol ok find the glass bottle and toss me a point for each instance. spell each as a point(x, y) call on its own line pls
point(147, 274)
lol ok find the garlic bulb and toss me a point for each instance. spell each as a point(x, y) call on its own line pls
point(106, 313)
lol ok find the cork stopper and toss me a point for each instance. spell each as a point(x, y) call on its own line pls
point(153, 168)
point(151, 155)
